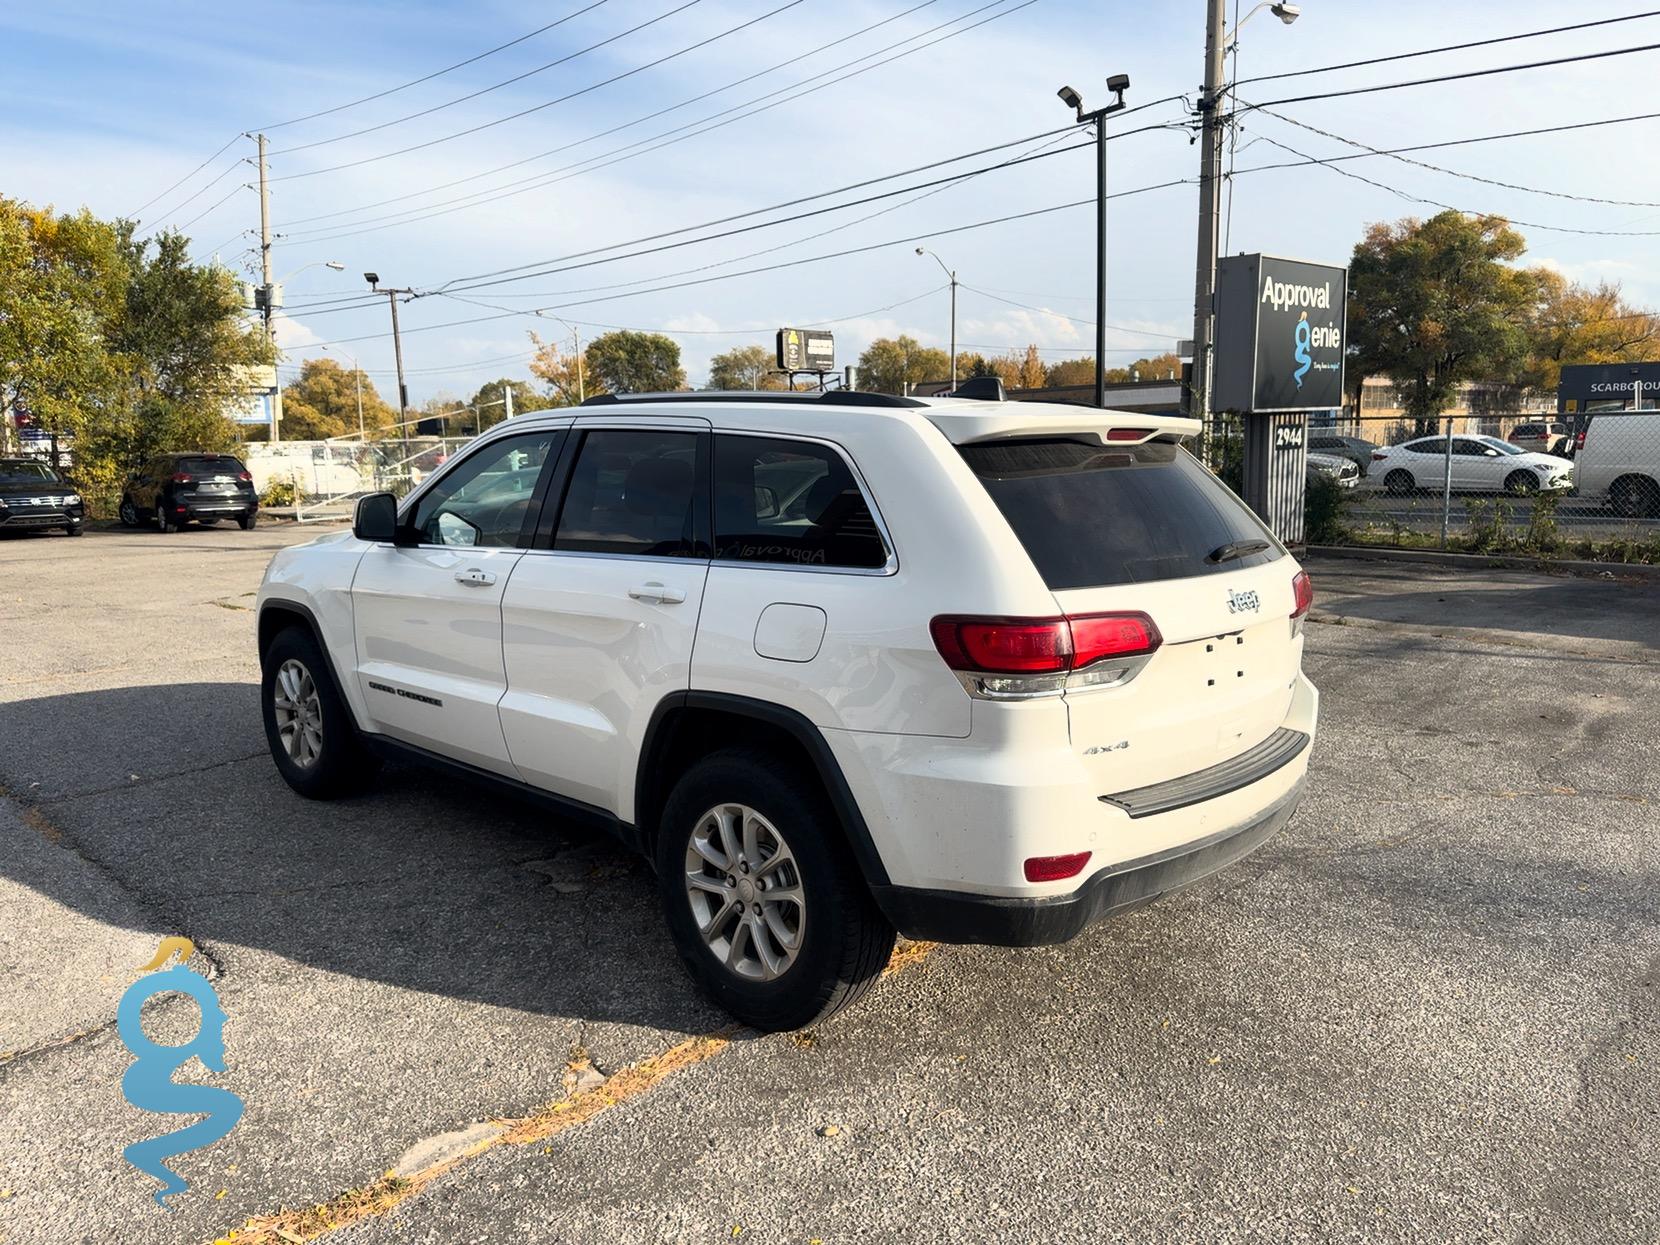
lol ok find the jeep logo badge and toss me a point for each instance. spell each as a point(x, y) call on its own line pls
point(1239, 602)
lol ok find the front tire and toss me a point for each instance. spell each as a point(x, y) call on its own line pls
point(1521, 483)
point(128, 513)
point(765, 903)
point(308, 728)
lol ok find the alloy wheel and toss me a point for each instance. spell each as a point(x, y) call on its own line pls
point(299, 713)
point(744, 887)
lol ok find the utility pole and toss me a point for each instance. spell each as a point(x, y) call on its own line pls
point(267, 300)
point(1210, 200)
point(951, 275)
point(1117, 84)
point(373, 278)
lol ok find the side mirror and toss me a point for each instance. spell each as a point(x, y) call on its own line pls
point(1490, 452)
point(766, 502)
point(376, 518)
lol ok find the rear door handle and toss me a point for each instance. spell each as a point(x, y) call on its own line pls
point(657, 592)
point(475, 578)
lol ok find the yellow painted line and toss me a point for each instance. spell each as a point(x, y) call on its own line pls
point(296, 1227)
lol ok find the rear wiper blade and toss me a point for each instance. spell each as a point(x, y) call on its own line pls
point(1236, 549)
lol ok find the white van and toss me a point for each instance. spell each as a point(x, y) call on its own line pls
point(1619, 462)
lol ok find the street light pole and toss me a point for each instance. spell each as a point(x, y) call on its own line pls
point(1117, 84)
point(952, 274)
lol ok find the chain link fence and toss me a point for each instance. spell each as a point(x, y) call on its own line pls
point(321, 481)
point(1573, 486)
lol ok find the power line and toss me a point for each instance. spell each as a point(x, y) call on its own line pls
point(639, 148)
point(1457, 77)
point(462, 99)
point(502, 168)
point(437, 73)
point(1412, 198)
point(218, 204)
point(793, 263)
point(133, 215)
point(1473, 177)
point(205, 187)
point(525, 112)
point(1451, 47)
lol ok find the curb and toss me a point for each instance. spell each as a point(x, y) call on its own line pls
point(1482, 561)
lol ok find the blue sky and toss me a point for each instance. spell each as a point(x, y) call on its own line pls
point(107, 104)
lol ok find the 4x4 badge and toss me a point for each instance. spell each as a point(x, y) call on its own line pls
point(1239, 602)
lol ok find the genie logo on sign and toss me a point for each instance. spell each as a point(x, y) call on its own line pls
point(149, 1085)
point(1304, 359)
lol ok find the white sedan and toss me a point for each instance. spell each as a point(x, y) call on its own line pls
point(1479, 465)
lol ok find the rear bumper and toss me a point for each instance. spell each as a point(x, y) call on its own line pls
point(961, 917)
point(218, 508)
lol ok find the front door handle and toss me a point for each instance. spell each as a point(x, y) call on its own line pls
point(657, 592)
point(475, 578)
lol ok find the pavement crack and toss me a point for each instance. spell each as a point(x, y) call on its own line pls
point(132, 783)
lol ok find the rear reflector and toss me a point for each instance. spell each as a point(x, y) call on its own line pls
point(181, 477)
point(1041, 645)
point(1302, 591)
point(1129, 434)
point(1055, 868)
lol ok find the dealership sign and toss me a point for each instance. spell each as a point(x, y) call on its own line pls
point(806, 350)
point(1280, 333)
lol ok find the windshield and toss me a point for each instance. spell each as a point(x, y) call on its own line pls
point(22, 471)
point(1092, 515)
point(1503, 447)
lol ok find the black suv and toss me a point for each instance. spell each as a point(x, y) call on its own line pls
point(172, 489)
point(33, 497)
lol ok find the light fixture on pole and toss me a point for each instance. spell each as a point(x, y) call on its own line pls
point(576, 345)
point(1117, 84)
point(952, 274)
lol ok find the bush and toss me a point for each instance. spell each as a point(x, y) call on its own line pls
point(1323, 507)
point(281, 491)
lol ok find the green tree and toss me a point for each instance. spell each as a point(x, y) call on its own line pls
point(189, 357)
point(623, 361)
point(745, 367)
point(488, 406)
point(1072, 372)
point(1433, 303)
point(322, 403)
point(62, 293)
point(890, 364)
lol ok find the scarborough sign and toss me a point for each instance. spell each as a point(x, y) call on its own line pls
point(1280, 333)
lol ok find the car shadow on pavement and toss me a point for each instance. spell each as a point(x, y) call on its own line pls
point(419, 883)
point(1571, 610)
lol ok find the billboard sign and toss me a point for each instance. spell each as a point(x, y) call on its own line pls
point(806, 350)
point(1280, 334)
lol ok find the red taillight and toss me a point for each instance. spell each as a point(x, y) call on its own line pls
point(181, 477)
point(244, 475)
point(1041, 645)
point(1302, 589)
point(1055, 868)
point(1378, 456)
point(1579, 439)
point(1129, 434)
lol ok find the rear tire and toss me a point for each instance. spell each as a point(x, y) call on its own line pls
point(308, 728)
point(789, 845)
point(163, 523)
point(1635, 497)
point(1399, 482)
point(246, 522)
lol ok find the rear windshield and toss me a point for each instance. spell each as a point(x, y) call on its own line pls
point(219, 465)
point(1092, 515)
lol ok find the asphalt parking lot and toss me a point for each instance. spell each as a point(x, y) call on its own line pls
point(1428, 1011)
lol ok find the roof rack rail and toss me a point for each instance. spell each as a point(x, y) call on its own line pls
point(827, 397)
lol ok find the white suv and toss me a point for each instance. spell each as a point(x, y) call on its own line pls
point(838, 665)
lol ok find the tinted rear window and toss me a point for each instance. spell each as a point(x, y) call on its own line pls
point(222, 465)
point(1092, 515)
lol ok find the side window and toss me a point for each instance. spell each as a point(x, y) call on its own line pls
point(1468, 448)
point(1432, 445)
point(631, 492)
point(792, 503)
point(487, 498)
